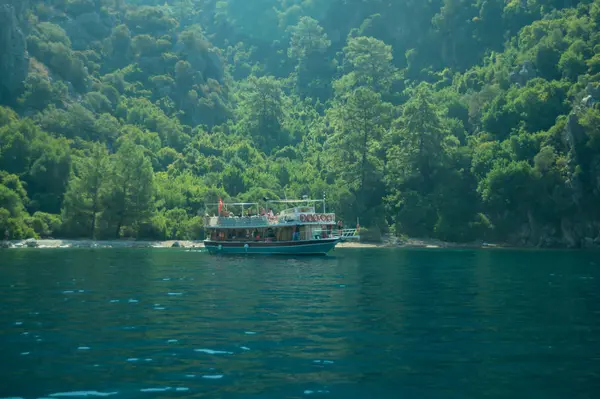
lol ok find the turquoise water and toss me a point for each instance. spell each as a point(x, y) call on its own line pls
point(356, 324)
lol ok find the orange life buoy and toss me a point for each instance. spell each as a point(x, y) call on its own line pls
point(329, 218)
point(303, 218)
point(323, 218)
point(313, 218)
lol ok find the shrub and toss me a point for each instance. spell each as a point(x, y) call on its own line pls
point(45, 224)
point(371, 234)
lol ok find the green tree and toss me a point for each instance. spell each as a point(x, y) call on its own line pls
point(261, 112)
point(309, 47)
point(86, 193)
point(370, 63)
point(425, 168)
point(510, 191)
point(129, 199)
point(359, 123)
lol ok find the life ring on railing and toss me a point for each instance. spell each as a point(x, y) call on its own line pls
point(313, 218)
point(303, 218)
point(329, 218)
point(323, 217)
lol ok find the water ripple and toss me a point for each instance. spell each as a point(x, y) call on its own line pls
point(213, 352)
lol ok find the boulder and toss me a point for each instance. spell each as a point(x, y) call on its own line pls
point(31, 243)
point(176, 244)
point(588, 101)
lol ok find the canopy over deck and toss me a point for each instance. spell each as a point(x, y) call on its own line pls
point(302, 212)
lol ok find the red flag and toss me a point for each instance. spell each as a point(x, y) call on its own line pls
point(220, 206)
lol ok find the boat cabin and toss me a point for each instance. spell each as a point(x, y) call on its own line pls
point(249, 222)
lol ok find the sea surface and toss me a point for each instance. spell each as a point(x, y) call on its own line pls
point(360, 323)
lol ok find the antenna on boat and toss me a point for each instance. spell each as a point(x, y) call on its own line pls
point(324, 202)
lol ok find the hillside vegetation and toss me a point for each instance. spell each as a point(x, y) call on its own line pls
point(452, 119)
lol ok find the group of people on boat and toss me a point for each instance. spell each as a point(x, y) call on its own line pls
point(248, 213)
point(243, 235)
point(287, 233)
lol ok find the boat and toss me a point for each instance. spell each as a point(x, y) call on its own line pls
point(298, 229)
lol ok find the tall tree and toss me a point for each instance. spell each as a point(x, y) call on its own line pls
point(359, 122)
point(129, 201)
point(309, 47)
point(416, 158)
point(418, 140)
point(261, 112)
point(369, 61)
point(85, 196)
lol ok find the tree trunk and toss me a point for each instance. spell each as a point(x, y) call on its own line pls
point(93, 235)
point(94, 212)
point(119, 224)
point(363, 172)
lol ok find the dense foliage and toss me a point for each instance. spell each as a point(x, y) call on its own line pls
point(454, 119)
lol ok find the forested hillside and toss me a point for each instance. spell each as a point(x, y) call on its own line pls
point(454, 119)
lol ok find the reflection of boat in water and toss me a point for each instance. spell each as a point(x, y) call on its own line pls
point(299, 230)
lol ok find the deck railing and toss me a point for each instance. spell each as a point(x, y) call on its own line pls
point(344, 234)
point(349, 234)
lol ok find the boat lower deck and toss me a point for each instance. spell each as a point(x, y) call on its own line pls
point(301, 247)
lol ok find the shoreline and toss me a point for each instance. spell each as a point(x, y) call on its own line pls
point(411, 243)
point(86, 243)
point(423, 243)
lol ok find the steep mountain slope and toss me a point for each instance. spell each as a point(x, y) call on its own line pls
point(455, 119)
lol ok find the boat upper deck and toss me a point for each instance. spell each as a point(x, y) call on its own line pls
point(281, 220)
point(251, 215)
